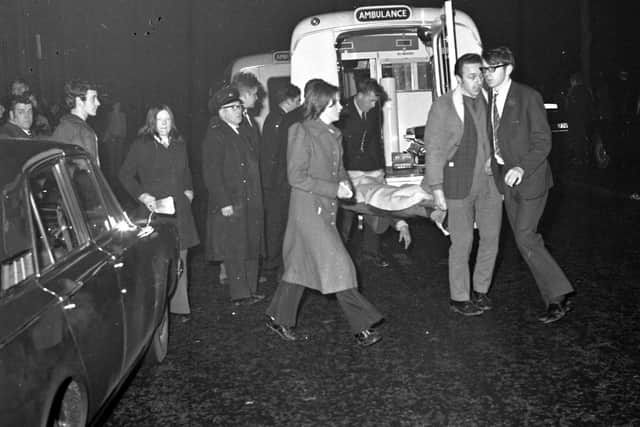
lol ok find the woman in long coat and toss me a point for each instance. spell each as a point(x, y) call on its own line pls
point(314, 255)
point(156, 167)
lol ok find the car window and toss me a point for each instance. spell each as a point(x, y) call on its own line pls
point(56, 236)
point(89, 195)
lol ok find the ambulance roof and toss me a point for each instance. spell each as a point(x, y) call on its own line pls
point(262, 59)
point(346, 21)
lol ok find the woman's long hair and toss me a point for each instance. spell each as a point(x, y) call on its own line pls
point(318, 97)
point(150, 127)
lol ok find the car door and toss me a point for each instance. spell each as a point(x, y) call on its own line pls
point(131, 255)
point(83, 277)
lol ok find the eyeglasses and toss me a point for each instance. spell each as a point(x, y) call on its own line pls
point(492, 68)
point(234, 107)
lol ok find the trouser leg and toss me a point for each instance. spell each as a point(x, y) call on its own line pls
point(360, 313)
point(237, 275)
point(285, 303)
point(460, 214)
point(346, 224)
point(251, 268)
point(488, 208)
point(524, 216)
point(370, 241)
point(179, 303)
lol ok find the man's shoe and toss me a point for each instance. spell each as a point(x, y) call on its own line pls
point(482, 301)
point(367, 337)
point(378, 260)
point(554, 313)
point(262, 279)
point(466, 308)
point(284, 332)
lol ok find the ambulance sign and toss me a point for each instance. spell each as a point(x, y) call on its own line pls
point(382, 13)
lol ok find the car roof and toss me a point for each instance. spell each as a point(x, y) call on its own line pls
point(15, 153)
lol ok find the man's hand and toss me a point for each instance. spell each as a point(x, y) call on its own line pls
point(148, 200)
point(439, 200)
point(405, 235)
point(514, 176)
point(227, 210)
point(189, 195)
point(344, 190)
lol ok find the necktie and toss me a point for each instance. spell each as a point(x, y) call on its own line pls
point(246, 116)
point(496, 124)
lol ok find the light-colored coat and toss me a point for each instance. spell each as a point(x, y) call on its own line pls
point(314, 255)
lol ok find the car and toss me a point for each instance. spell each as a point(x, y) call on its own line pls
point(84, 290)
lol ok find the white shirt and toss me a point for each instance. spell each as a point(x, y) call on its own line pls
point(502, 90)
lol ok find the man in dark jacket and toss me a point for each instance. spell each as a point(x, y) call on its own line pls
point(273, 169)
point(20, 118)
point(360, 123)
point(235, 213)
point(82, 99)
point(521, 144)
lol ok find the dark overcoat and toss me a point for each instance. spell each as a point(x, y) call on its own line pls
point(151, 168)
point(232, 177)
point(314, 255)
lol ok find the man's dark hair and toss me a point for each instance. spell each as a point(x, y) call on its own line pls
point(20, 99)
point(77, 88)
point(370, 86)
point(467, 58)
point(287, 92)
point(499, 55)
point(245, 81)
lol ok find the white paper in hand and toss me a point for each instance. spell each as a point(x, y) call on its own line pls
point(164, 206)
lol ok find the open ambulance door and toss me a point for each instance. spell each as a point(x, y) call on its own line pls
point(445, 52)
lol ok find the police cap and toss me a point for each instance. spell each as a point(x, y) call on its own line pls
point(225, 95)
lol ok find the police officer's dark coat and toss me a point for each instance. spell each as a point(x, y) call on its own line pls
point(232, 177)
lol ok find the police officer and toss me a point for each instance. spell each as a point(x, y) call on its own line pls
point(235, 213)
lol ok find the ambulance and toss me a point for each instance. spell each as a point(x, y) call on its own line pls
point(410, 51)
point(272, 69)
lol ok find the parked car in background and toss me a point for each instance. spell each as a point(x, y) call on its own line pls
point(83, 290)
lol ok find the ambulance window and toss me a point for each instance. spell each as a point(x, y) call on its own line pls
point(410, 76)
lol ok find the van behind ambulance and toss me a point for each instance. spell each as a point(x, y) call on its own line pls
point(272, 69)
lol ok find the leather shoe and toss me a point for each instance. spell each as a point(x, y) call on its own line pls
point(482, 301)
point(466, 308)
point(367, 337)
point(555, 312)
point(284, 332)
point(378, 260)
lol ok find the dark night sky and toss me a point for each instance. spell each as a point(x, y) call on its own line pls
point(157, 50)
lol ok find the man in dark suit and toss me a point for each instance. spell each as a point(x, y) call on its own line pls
point(20, 118)
point(521, 143)
point(360, 123)
point(457, 171)
point(273, 169)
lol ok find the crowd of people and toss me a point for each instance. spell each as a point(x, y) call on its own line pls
point(274, 194)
